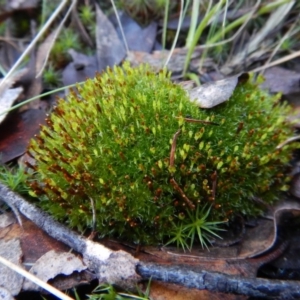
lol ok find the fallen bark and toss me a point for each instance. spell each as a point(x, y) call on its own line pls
point(120, 268)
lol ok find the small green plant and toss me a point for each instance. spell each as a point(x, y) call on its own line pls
point(68, 39)
point(51, 77)
point(88, 19)
point(87, 15)
point(196, 228)
point(130, 149)
point(15, 178)
point(222, 33)
point(108, 292)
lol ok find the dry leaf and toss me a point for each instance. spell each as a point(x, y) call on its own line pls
point(80, 69)
point(6, 219)
point(138, 38)
point(10, 279)
point(5, 294)
point(52, 264)
point(278, 79)
point(17, 130)
point(7, 98)
point(213, 93)
point(110, 49)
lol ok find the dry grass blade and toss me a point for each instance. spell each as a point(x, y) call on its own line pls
point(45, 49)
point(177, 32)
point(120, 26)
point(287, 35)
point(277, 62)
point(34, 41)
point(274, 20)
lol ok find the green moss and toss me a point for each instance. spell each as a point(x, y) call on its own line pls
point(110, 145)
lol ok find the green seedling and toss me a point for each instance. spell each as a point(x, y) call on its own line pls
point(131, 150)
point(51, 77)
point(108, 292)
point(14, 178)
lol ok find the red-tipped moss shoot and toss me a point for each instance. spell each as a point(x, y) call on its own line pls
point(124, 150)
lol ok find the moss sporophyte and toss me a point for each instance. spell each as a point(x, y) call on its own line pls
point(128, 149)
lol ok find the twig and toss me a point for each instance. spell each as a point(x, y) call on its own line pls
point(190, 120)
point(173, 148)
point(177, 33)
point(120, 268)
point(181, 192)
point(217, 282)
point(120, 26)
point(55, 35)
point(172, 180)
point(277, 62)
point(288, 141)
point(116, 267)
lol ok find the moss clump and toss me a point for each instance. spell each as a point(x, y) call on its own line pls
point(109, 146)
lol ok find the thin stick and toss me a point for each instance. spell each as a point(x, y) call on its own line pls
point(177, 33)
point(181, 192)
point(288, 141)
point(94, 213)
point(172, 180)
point(34, 279)
point(114, 267)
point(277, 62)
point(54, 38)
point(40, 96)
point(190, 120)
point(173, 148)
point(217, 282)
point(214, 184)
point(120, 25)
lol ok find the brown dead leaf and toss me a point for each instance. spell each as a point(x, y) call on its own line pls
point(35, 242)
point(44, 51)
point(17, 130)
